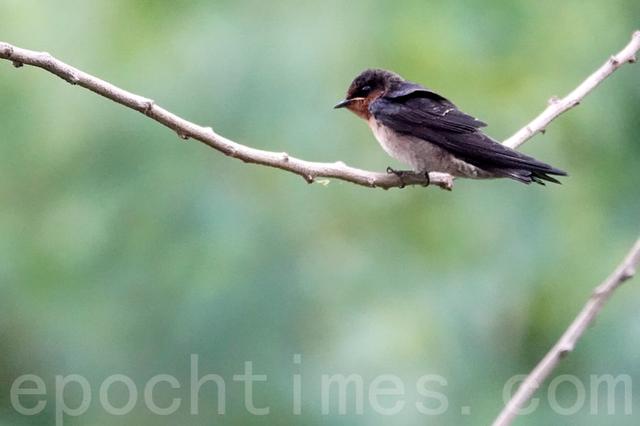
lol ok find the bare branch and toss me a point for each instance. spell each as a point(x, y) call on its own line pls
point(310, 171)
point(623, 272)
point(558, 106)
point(567, 342)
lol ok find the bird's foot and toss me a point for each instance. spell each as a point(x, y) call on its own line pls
point(400, 174)
point(428, 179)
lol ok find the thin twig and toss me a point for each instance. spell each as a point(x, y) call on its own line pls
point(567, 342)
point(310, 171)
point(558, 106)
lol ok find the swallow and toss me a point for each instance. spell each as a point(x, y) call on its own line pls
point(426, 131)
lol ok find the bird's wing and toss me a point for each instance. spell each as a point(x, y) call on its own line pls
point(441, 123)
point(442, 112)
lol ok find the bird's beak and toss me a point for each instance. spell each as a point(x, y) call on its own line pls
point(343, 103)
point(347, 102)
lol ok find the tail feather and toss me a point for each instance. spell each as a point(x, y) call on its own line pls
point(488, 154)
point(531, 176)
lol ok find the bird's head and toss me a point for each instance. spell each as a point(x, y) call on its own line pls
point(368, 86)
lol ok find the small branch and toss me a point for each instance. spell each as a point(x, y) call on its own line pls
point(310, 171)
point(567, 342)
point(558, 106)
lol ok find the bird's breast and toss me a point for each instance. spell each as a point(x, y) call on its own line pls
point(407, 149)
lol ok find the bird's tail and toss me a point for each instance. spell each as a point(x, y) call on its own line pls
point(538, 174)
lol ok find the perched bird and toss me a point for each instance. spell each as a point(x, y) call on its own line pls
point(426, 131)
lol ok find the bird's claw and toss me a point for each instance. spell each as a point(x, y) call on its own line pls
point(426, 176)
point(399, 173)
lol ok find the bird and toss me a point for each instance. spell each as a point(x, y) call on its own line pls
point(426, 131)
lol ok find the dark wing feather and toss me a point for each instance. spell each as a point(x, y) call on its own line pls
point(438, 121)
point(444, 113)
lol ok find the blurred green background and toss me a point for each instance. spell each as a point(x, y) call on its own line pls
point(125, 250)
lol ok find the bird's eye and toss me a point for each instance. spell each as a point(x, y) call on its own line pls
point(365, 90)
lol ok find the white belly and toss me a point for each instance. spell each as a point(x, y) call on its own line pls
point(420, 155)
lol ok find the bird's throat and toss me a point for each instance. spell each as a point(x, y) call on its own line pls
point(360, 108)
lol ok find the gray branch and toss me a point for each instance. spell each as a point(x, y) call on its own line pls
point(310, 171)
point(558, 106)
point(567, 342)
